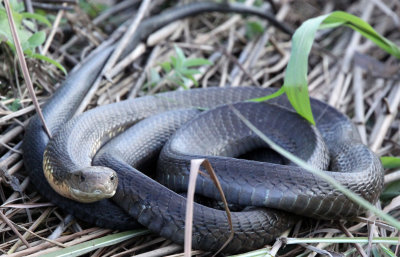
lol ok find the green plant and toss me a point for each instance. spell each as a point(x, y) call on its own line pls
point(392, 189)
point(253, 29)
point(295, 81)
point(390, 162)
point(178, 70)
point(92, 8)
point(15, 105)
point(29, 40)
point(296, 88)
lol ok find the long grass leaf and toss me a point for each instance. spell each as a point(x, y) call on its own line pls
point(352, 196)
point(387, 250)
point(24, 68)
point(92, 245)
point(257, 253)
point(390, 162)
point(267, 97)
point(37, 17)
point(295, 81)
point(343, 240)
point(49, 60)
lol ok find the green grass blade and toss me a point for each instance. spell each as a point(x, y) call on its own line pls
point(295, 81)
point(37, 17)
point(365, 29)
point(196, 62)
point(392, 190)
point(267, 97)
point(350, 252)
point(49, 60)
point(257, 253)
point(390, 162)
point(387, 250)
point(352, 196)
point(343, 240)
point(92, 245)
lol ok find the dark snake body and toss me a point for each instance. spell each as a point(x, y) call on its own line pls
point(283, 187)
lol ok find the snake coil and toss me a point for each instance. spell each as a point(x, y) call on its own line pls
point(139, 199)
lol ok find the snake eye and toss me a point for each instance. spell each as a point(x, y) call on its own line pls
point(80, 177)
point(112, 178)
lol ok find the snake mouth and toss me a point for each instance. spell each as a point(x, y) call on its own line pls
point(85, 197)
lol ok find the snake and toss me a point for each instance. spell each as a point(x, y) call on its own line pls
point(98, 180)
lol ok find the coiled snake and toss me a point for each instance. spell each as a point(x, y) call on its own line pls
point(217, 134)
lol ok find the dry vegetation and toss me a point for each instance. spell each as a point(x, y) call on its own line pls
point(345, 70)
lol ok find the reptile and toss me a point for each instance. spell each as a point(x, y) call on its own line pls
point(277, 192)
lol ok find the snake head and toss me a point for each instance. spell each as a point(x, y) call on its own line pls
point(92, 184)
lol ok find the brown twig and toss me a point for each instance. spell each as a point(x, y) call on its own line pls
point(9, 223)
point(358, 246)
point(23, 65)
point(117, 52)
point(194, 170)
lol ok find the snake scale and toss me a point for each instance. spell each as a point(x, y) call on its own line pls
point(183, 132)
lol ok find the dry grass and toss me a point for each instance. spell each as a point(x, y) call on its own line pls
point(346, 71)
